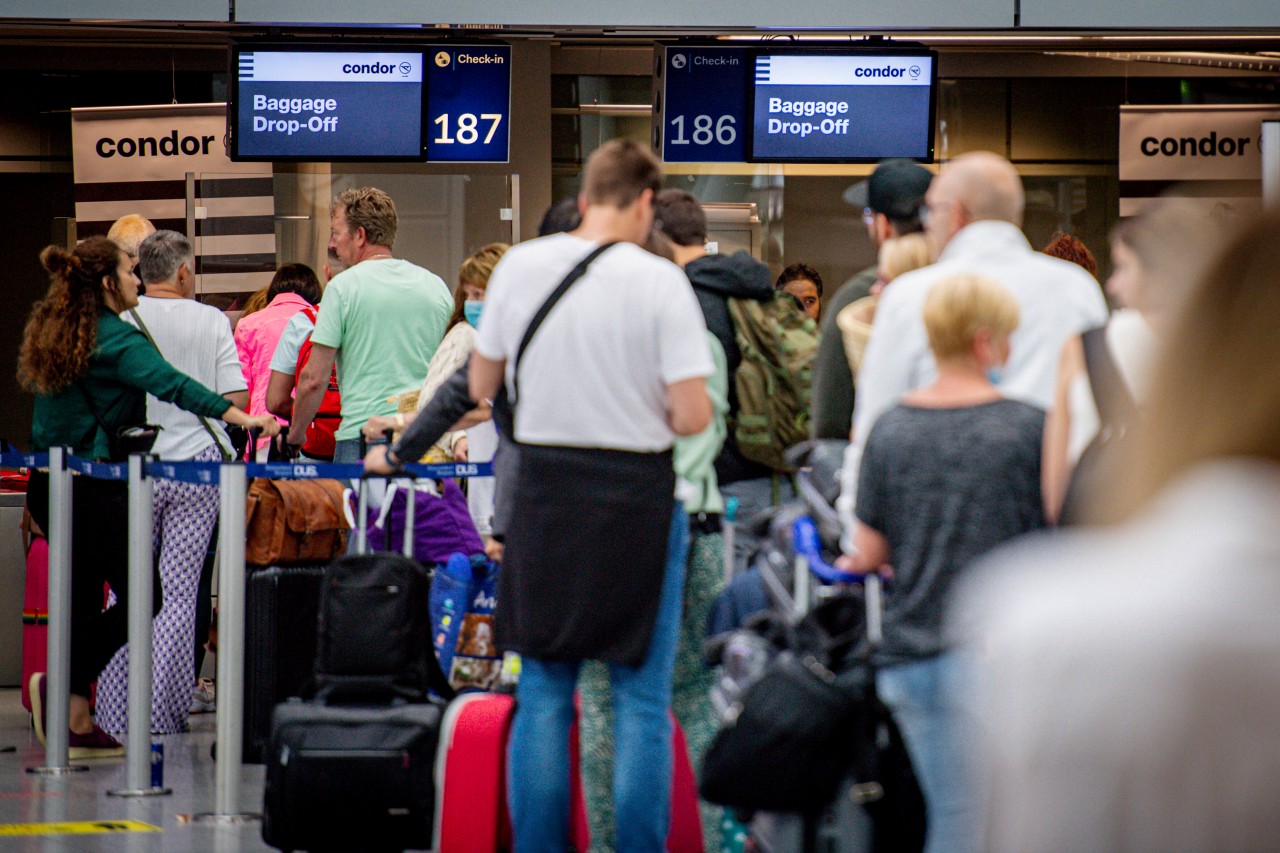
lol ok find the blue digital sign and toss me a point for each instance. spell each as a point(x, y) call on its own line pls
point(704, 110)
point(327, 105)
point(468, 103)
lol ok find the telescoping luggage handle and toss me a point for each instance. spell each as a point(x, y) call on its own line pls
point(362, 508)
point(810, 563)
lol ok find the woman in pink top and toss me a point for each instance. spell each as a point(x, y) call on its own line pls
point(293, 288)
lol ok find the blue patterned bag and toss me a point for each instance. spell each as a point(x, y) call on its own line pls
point(463, 596)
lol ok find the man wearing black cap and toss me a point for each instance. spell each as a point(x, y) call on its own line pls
point(895, 192)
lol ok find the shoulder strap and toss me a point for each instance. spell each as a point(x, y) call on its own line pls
point(1115, 404)
point(574, 274)
point(227, 455)
point(310, 314)
point(97, 416)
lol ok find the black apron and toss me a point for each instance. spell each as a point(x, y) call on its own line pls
point(586, 553)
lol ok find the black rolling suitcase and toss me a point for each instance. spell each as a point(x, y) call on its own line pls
point(281, 608)
point(353, 769)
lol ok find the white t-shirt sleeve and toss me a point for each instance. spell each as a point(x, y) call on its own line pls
point(285, 358)
point(682, 336)
point(490, 336)
point(229, 375)
point(886, 371)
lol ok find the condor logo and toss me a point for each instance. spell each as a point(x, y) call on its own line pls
point(1190, 146)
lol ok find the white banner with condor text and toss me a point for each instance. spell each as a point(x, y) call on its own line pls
point(1210, 153)
point(136, 160)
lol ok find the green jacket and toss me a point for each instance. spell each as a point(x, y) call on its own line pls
point(125, 367)
point(695, 455)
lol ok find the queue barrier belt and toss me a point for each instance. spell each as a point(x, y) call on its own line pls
point(207, 473)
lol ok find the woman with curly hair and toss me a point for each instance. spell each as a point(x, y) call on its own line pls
point(91, 373)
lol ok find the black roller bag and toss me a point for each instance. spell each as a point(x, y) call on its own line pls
point(281, 604)
point(353, 768)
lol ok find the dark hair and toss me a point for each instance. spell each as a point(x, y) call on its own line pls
point(619, 172)
point(1072, 249)
point(295, 278)
point(62, 331)
point(560, 217)
point(679, 216)
point(796, 272)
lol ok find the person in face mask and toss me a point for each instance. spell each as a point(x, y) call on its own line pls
point(948, 474)
point(479, 442)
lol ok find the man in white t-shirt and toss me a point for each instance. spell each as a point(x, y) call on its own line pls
point(594, 560)
point(381, 319)
point(195, 339)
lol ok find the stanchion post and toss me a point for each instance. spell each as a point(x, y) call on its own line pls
point(141, 593)
point(231, 642)
point(58, 675)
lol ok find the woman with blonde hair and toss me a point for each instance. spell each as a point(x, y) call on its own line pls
point(91, 373)
point(1129, 672)
point(947, 475)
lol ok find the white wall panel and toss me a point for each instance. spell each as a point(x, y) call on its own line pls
point(861, 14)
point(125, 10)
point(1151, 14)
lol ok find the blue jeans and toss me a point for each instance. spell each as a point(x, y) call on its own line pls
point(346, 451)
point(927, 701)
point(538, 783)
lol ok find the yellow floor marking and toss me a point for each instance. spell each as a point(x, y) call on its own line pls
point(81, 827)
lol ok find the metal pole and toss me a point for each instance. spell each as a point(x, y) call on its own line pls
point(232, 486)
point(141, 594)
point(1271, 165)
point(231, 581)
point(58, 677)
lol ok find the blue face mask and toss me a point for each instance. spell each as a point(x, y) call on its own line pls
point(471, 310)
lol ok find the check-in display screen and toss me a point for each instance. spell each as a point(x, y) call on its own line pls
point(328, 105)
point(842, 107)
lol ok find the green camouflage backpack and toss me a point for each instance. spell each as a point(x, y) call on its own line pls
point(778, 343)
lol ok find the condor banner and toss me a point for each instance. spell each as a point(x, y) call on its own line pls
point(1211, 153)
point(135, 160)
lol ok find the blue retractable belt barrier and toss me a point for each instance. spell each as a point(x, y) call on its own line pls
point(24, 460)
point(206, 473)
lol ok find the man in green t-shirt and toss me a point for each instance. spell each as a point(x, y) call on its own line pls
point(381, 319)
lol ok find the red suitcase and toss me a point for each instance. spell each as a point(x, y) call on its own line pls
point(35, 615)
point(471, 791)
point(471, 775)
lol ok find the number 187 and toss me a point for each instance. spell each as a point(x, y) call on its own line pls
point(468, 128)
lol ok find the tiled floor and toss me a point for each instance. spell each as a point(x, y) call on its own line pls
point(28, 799)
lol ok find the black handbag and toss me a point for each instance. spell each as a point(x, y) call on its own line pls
point(126, 440)
point(790, 740)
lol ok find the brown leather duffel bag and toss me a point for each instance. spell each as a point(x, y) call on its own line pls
point(294, 521)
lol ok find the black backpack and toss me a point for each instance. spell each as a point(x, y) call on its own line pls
point(373, 638)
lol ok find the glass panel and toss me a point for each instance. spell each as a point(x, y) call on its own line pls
point(442, 218)
point(235, 236)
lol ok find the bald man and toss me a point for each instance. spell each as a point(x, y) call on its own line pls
point(973, 217)
point(128, 232)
